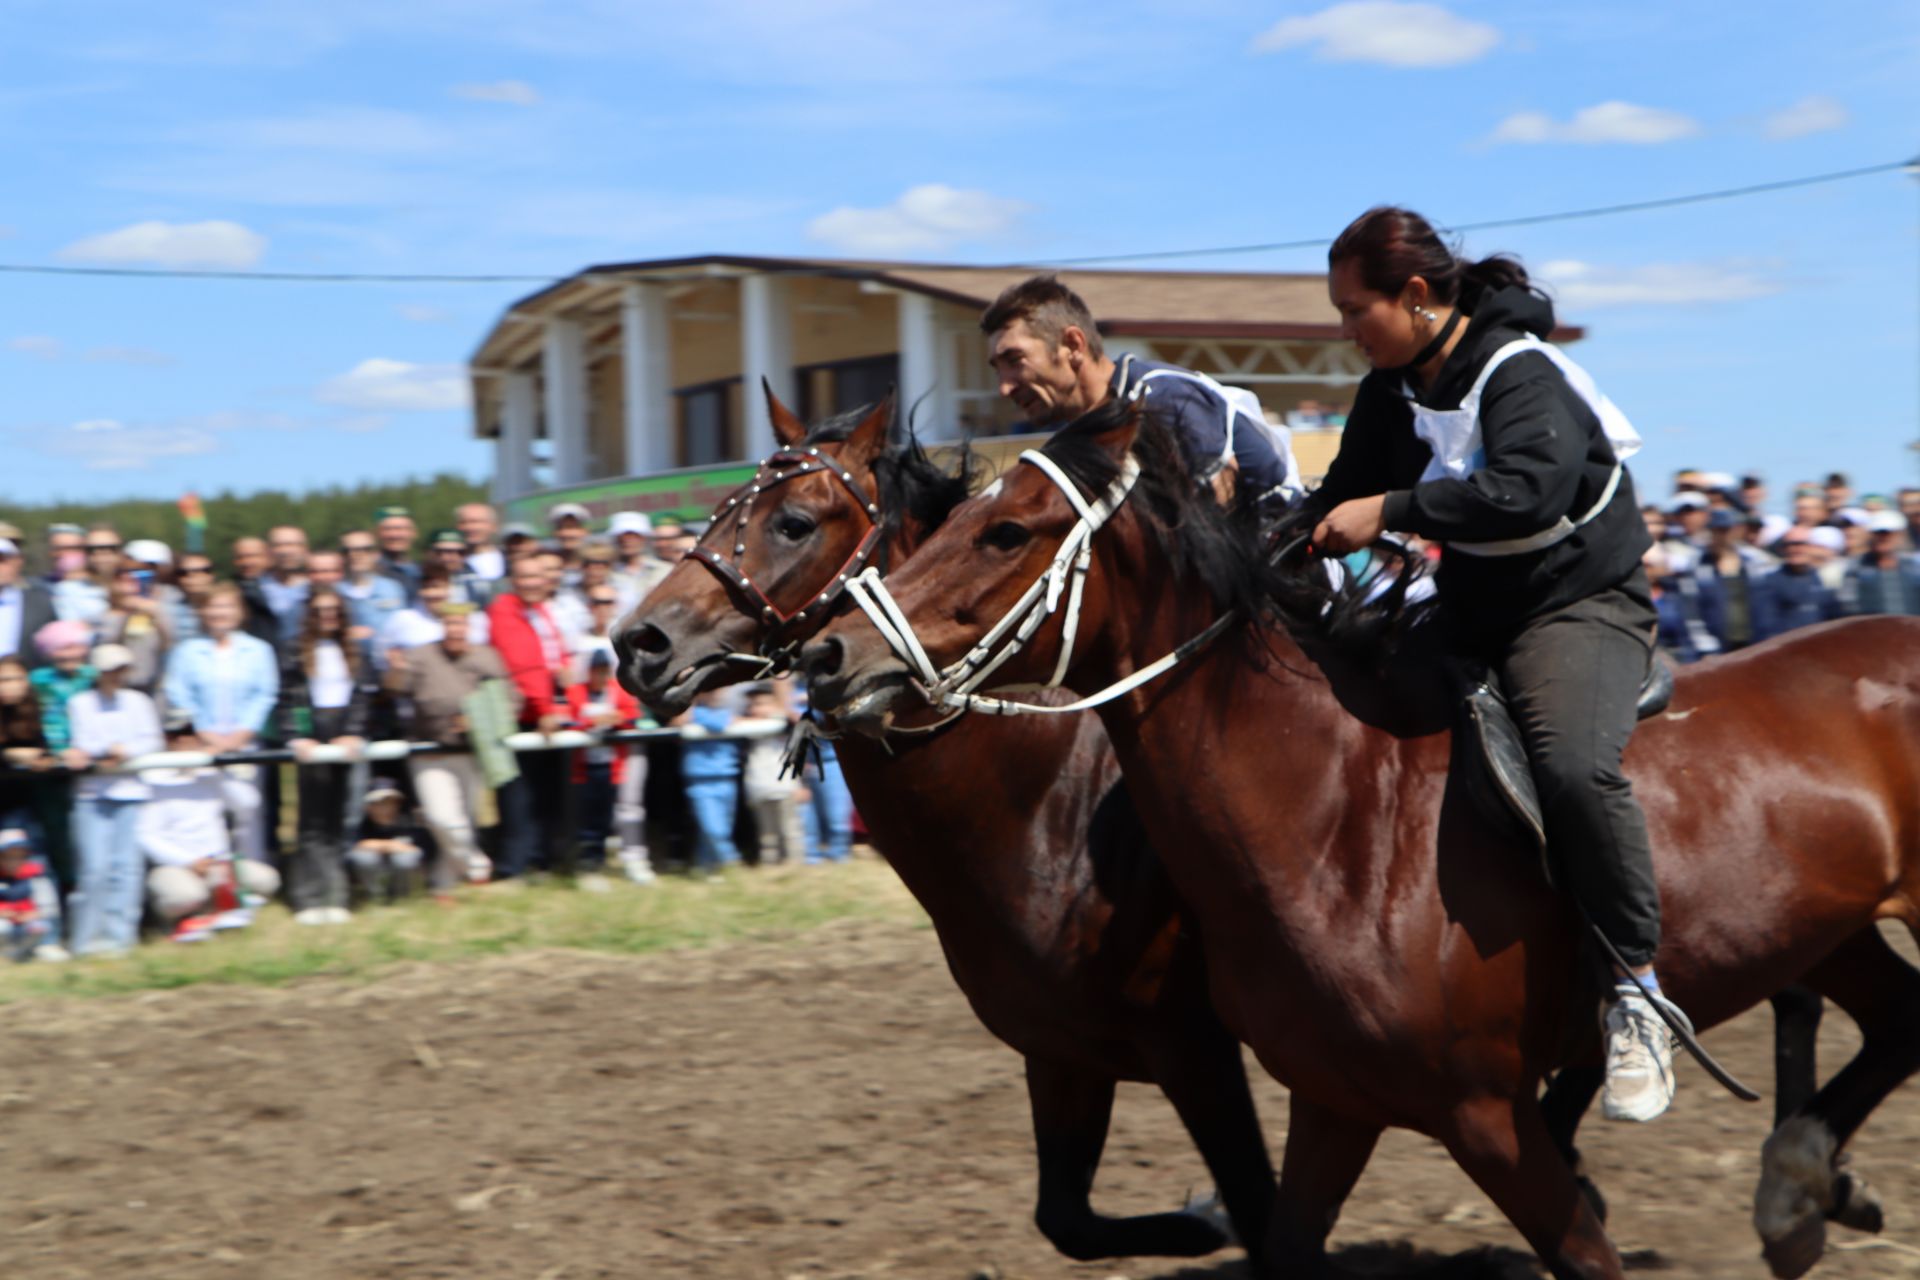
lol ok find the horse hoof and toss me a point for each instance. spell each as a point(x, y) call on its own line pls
point(1856, 1204)
point(1793, 1254)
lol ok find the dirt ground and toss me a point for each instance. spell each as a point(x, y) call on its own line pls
point(825, 1107)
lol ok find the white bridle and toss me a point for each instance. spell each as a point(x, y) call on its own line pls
point(954, 686)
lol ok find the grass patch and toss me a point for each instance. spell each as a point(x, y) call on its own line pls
point(677, 912)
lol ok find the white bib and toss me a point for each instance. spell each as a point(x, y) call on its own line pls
point(1454, 437)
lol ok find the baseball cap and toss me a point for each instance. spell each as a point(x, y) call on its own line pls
point(382, 789)
point(179, 720)
point(669, 527)
point(1853, 515)
point(1829, 537)
point(13, 838)
point(110, 657)
point(1887, 522)
point(561, 510)
point(389, 513)
point(629, 522)
point(448, 538)
point(1723, 519)
point(517, 530)
point(1688, 500)
point(149, 551)
point(8, 547)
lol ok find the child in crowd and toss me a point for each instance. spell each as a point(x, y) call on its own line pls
point(710, 767)
point(64, 645)
point(598, 703)
point(110, 724)
point(29, 904)
point(773, 799)
point(194, 883)
point(387, 849)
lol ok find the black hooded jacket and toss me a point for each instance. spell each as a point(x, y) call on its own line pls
point(1546, 457)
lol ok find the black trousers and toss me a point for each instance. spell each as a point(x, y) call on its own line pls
point(1573, 680)
point(537, 816)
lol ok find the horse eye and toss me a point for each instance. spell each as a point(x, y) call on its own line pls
point(792, 527)
point(1005, 535)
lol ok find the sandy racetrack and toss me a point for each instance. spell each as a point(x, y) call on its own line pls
point(817, 1108)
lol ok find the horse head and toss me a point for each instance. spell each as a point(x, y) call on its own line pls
point(1001, 570)
point(776, 554)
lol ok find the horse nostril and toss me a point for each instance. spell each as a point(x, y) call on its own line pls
point(646, 639)
point(822, 658)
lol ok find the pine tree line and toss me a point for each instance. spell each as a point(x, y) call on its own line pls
point(324, 513)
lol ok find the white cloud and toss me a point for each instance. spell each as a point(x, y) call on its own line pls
point(1584, 286)
point(1607, 122)
point(928, 217)
point(226, 245)
point(103, 444)
point(420, 313)
point(1812, 114)
point(1389, 32)
point(37, 345)
point(380, 384)
point(514, 93)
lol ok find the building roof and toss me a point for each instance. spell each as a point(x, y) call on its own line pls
point(1217, 304)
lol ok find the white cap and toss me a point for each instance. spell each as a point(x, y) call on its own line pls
point(1717, 479)
point(1829, 537)
point(1854, 515)
point(1687, 499)
point(629, 522)
point(561, 510)
point(110, 657)
point(1771, 527)
point(149, 551)
point(8, 547)
point(1887, 522)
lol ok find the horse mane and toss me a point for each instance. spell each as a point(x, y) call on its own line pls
point(1247, 559)
point(909, 483)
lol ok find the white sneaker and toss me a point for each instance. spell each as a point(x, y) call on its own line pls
point(312, 915)
point(1639, 1059)
point(637, 869)
point(338, 915)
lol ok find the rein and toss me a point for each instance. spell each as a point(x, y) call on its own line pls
point(953, 687)
point(779, 467)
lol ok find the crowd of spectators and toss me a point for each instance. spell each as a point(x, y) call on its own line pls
point(1727, 573)
point(110, 652)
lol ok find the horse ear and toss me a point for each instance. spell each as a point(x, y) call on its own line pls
point(868, 440)
point(787, 429)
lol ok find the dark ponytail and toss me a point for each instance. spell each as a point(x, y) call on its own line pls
point(1393, 245)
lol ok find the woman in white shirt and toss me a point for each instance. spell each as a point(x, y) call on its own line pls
point(111, 724)
point(326, 693)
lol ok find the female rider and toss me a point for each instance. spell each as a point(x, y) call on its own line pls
point(1473, 432)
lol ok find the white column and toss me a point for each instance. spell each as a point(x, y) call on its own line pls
point(766, 350)
point(513, 449)
point(563, 366)
point(920, 366)
point(646, 357)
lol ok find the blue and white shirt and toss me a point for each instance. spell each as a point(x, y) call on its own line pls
point(1215, 423)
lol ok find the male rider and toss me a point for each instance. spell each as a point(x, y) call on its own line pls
point(1046, 351)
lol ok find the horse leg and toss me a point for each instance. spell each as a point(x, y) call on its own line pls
point(1803, 1175)
point(1205, 1079)
point(1071, 1111)
point(1504, 1145)
point(1568, 1097)
point(1796, 1025)
point(1326, 1154)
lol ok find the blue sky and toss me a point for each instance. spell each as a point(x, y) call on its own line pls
point(1779, 332)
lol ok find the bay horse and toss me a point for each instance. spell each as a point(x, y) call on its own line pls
point(1056, 919)
point(1391, 955)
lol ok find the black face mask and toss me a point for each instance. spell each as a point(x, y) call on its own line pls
point(1432, 349)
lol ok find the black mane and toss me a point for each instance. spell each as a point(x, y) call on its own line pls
point(1250, 558)
point(910, 483)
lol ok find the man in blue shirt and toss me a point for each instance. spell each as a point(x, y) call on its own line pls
point(1792, 595)
point(1046, 350)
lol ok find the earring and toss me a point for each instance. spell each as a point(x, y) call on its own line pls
point(1425, 314)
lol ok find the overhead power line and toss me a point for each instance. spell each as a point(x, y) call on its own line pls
point(1531, 220)
point(1162, 255)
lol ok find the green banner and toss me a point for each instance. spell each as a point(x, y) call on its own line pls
point(691, 494)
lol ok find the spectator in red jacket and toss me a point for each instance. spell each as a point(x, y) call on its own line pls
point(535, 808)
point(599, 703)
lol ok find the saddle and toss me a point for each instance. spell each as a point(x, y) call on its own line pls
point(1492, 757)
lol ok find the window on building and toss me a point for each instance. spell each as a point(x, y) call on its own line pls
point(853, 383)
point(705, 432)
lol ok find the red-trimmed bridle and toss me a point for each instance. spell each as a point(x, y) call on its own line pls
point(777, 469)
